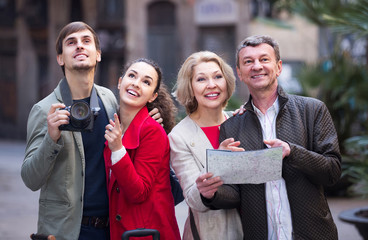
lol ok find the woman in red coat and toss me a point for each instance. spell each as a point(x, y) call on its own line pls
point(137, 157)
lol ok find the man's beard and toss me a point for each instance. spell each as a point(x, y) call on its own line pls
point(83, 67)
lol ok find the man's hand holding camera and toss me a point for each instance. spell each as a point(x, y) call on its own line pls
point(56, 118)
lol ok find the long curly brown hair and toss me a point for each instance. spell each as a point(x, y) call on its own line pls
point(166, 107)
point(163, 102)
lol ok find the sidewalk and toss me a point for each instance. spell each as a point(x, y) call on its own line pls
point(19, 205)
point(346, 231)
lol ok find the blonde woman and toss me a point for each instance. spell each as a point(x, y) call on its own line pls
point(204, 85)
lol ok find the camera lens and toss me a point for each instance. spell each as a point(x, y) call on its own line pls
point(80, 115)
point(80, 110)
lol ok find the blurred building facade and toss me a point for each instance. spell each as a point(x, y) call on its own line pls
point(166, 31)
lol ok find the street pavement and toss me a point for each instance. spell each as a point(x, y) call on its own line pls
point(19, 205)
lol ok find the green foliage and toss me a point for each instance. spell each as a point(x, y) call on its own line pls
point(312, 9)
point(344, 16)
point(339, 82)
point(352, 20)
point(343, 86)
point(234, 103)
point(356, 164)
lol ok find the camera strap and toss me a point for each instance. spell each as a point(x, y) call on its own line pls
point(65, 93)
point(95, 108)
point(68, 101)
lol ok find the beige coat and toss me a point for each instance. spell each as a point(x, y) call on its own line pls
point(188, 158)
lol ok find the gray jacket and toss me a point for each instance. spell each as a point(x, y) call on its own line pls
point(314, 162)
point(58, 168)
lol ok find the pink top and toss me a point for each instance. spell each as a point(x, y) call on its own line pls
point(213, 134)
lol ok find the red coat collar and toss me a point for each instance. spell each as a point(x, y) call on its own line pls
point(131, 136)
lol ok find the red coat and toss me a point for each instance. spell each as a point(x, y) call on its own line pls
point(139, 186)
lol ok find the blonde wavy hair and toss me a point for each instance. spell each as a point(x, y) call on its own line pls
point(183, 89)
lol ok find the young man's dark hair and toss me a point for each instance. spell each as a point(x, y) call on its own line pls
point(72, 28)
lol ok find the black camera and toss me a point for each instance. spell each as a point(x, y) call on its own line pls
point(82, 115)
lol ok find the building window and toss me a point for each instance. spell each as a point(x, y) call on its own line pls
point(261, 8)
point(111, 32)
point(111, 13)
point(76, 13)
point(7, 13)
point(161, 38)
point(35, 13)
point(220, 40)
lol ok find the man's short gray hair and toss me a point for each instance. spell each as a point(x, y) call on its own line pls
point(256, 40)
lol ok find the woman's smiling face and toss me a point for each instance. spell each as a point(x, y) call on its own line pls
point(209, 85)
point(137, 86)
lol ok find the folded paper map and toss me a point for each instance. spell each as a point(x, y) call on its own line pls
point(245, 167)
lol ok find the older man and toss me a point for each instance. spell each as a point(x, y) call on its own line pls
point(295, 206)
